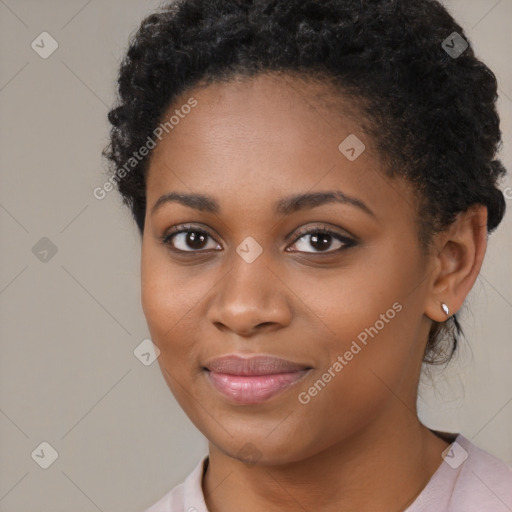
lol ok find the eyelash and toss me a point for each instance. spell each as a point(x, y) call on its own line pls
point(187, 228)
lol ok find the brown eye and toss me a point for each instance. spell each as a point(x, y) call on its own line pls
point(189, 239)
point(321, 240)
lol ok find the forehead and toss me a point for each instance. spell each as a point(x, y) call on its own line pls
point(280, 118)
point(269, 135)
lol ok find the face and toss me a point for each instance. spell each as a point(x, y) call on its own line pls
point(332, 283)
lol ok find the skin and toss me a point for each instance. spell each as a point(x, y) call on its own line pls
point(358, 444)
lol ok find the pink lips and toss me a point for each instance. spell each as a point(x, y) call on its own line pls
point(252, 380)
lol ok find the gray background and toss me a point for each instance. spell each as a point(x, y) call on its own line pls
point(68, 375)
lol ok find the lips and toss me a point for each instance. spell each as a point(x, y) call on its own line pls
point(255, 379)
point(253, 365)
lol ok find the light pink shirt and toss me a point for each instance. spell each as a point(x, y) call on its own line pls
point(468, 480)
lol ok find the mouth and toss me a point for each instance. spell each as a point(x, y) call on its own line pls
point(255, 379)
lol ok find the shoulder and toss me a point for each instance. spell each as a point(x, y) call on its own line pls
point(483, 482)
point(185, 497)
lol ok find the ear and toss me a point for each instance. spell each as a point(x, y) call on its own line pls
point(459, 253)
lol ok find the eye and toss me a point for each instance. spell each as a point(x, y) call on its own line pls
point(322, 239)
point(188, 238)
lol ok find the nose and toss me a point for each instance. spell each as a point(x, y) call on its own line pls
point(250, 299)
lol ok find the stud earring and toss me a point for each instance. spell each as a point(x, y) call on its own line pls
point(445, 308)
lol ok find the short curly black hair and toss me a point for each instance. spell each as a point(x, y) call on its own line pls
point(431, 111)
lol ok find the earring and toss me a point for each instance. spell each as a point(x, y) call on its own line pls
point(445, 308)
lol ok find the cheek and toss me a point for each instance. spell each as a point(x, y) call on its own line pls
point(161, 300)
point(369, 369)
point(371, 315)
point(162, 297)
point(171, 300)
point(364, 296)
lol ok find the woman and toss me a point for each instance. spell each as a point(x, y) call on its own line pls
point(314, 183)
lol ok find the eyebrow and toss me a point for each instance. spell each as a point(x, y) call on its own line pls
point(284, 206)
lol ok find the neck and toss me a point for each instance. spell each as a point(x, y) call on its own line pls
point(383, 467)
